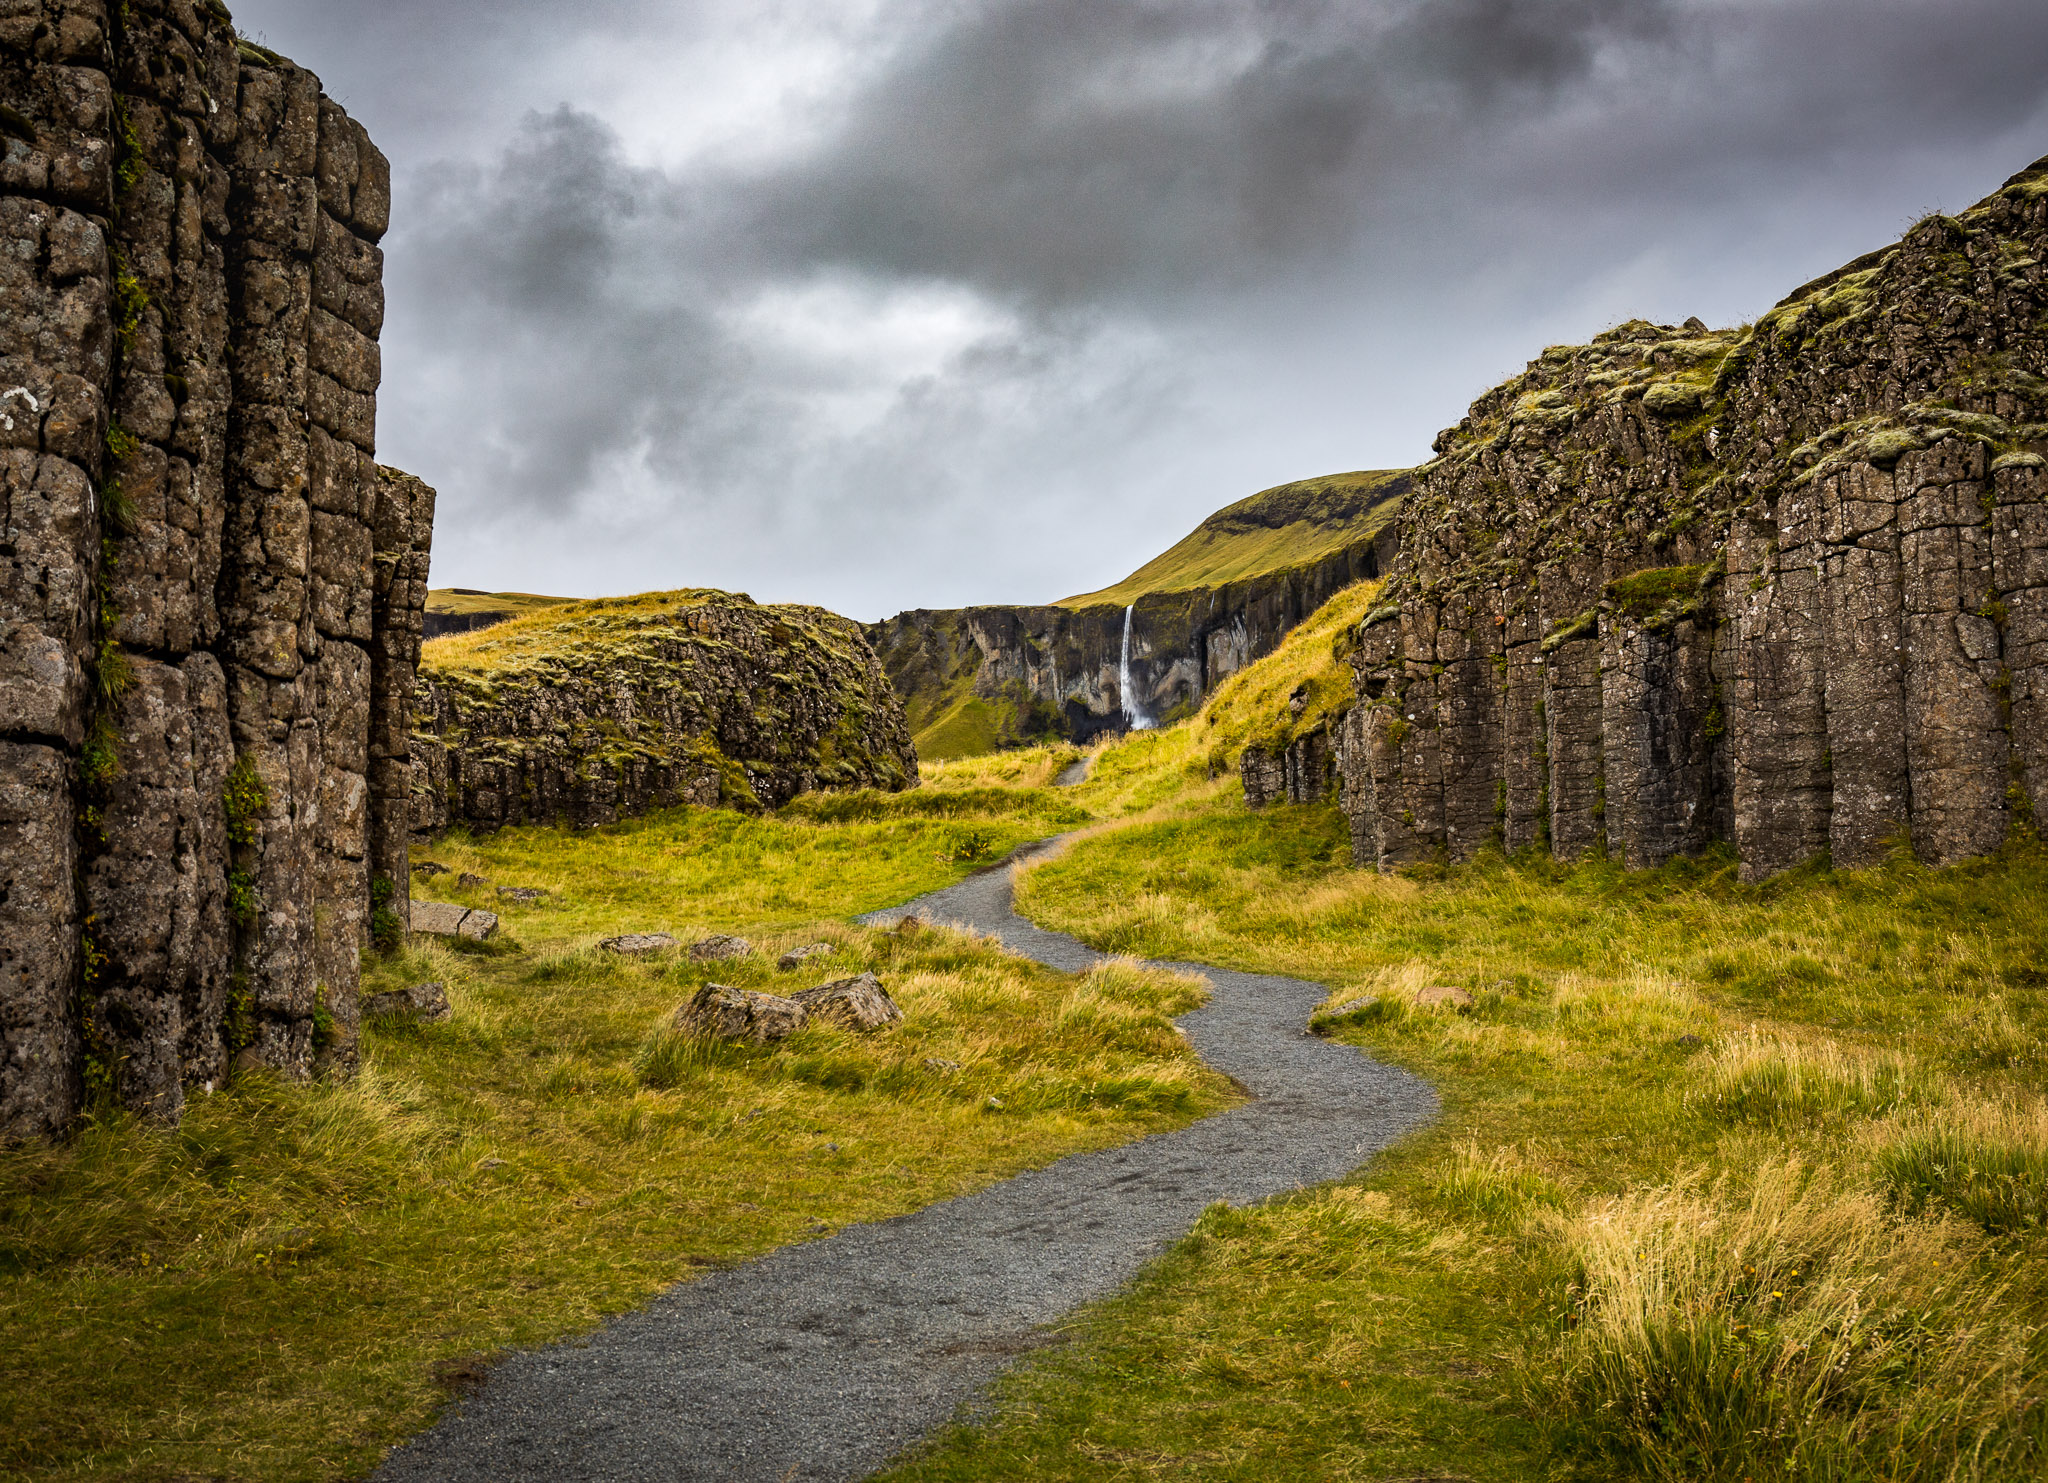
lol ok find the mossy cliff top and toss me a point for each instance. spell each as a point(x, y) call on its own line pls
point(586, 711)
point(1289, 525)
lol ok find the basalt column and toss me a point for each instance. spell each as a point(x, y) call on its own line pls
point(189, 302)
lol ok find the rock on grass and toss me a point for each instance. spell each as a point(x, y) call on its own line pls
point(856, 1003)
point(722, 1013)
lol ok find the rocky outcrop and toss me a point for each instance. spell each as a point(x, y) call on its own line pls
point(1785, 585)
point(588, 712)
point(1056, 672)
point(207, 588)
point(1301, 771)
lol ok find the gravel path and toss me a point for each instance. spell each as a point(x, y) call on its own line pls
point(824, 1360)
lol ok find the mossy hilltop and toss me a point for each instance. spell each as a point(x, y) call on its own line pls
point(585, 712)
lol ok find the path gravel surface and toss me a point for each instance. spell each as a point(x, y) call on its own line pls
point(824, 1360)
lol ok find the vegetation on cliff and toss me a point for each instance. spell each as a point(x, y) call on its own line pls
point(1289, 525)
point(595, 710)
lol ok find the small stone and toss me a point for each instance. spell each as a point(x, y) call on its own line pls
point(631, 944)
point(796, 957)
point(941, 1065)
point(722, 1013)
point(492, 1164)
point(470, 878)
point(446, 919)
point(1689, 1042)
point(855, 1003)
point(523, 895)
point(426, 1002)
point(910, 926)
point(429, 868)
point(1439, 996)
point(720, 949)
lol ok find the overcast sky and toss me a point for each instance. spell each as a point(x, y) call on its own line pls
point(915, 303)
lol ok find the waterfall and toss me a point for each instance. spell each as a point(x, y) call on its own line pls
point(1133, 712)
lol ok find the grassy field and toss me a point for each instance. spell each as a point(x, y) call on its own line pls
point(299, 1276)
point(1733, 1182)
point(465, 600)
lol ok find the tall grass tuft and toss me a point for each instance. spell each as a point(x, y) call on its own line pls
point(1769, 1082)
point(1987, 1162)
point(1796, 1332)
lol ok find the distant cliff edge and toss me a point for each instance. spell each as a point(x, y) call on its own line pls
point(1147, 650)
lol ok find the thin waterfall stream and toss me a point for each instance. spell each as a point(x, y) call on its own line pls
point(1133, 711)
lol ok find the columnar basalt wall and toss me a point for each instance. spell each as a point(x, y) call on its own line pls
point(192, 616)
point(1785, 585)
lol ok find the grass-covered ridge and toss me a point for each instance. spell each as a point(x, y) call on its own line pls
point(1287, 526)
point(461, 601)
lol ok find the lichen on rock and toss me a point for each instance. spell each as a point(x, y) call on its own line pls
point(1784, 584)
point(588, 712)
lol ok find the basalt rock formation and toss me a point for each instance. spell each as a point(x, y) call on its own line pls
point(1785, 585)
point(973, 679)
point(586, 712)
point(209, 592)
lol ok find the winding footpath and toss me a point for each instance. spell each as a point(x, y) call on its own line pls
point(824, 1360)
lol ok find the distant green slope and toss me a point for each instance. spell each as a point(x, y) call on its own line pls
point(1287, 526)
point(466, 600)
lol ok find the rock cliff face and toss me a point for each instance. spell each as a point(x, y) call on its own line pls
point(977, 678)
point(208, 591)
point(587, 712)
point(1785, 585)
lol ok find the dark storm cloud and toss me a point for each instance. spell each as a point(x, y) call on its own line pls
point(1028, 267)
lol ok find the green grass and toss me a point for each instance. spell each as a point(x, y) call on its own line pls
point(292, 1280)
point(1731, 1182)
point(461, 600)
point(1288, 526)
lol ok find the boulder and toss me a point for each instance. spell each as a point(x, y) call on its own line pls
point(429, 868)
point(632, 944)
point(1443, 996)
point(796, 957)
point(721, 1013)
point(720, 949)
point(856, 1003)
point(427, 1003)
point(470, 878)
point(523, 895)
point(446, 919)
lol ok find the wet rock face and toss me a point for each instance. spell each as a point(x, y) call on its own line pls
point(207, 586)
point(1785, 586)
point(589, 712)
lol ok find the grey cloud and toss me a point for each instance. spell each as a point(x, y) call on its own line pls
point(1191, 248)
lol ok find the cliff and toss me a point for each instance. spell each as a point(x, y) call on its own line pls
point(1784, 585)
point(975, 679)
point(209, 592)
point(585, 712)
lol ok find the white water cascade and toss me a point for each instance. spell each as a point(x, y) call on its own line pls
point(1134, 713)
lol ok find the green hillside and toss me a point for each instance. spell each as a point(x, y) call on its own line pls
point(1286, 526)
point(466, 600)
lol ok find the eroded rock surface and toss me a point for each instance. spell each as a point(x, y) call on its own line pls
point(447, 919)
point(633, 944)
point(721, 1013)
point(196, 527)
point(853, 1003)
point(1785, 585)
point(588, 712)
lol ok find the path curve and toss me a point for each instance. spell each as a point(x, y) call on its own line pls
point(824, 1360)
